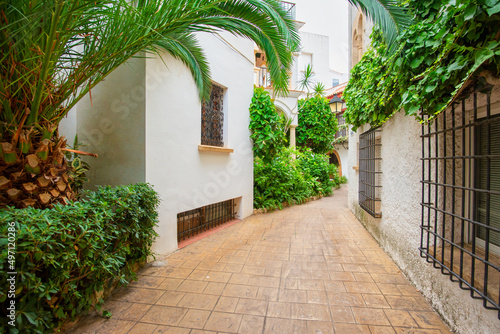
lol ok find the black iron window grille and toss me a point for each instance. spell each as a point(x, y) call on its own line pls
point(370, 172)
point(212, 118)
point(193, 222)
point(461, 196)
point(342, 129)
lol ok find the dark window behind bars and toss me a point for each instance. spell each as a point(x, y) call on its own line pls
point(342, 131)
point(370, 172)
point(212, 118)
point(193, 222)
point(461, 196)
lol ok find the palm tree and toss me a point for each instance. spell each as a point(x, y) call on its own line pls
point(306, 82)
point(391, 18)
point(53, 52)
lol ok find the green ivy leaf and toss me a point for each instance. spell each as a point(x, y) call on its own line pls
point(31, 316)
point(493, 10)
point(470, 12)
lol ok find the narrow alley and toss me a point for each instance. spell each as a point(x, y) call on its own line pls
point(310, 268)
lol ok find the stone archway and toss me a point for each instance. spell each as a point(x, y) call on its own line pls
point(335, 159)
point(283, 109)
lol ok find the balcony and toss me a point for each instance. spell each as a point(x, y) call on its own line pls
point(262, 78)
point(289, 7)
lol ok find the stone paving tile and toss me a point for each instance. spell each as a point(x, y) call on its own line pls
point(251, 324)
point(224, 322)
point(311, 268)
point(164, 315)
point(142, 328)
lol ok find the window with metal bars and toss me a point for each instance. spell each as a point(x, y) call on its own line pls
point(370, 172)
point(193, 222)
point(342, 130)
point(461, 195)
point(212, 118)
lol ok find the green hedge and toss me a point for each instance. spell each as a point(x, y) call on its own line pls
point(67, 254)
point(288, 180)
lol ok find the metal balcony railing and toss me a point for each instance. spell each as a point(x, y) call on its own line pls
point(289, 7)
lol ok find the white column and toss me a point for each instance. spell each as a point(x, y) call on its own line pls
point(292, 135)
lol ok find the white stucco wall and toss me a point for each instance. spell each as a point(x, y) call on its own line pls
point(327, 18)
point(144, 122)
point(318, 46)
point(185, 177)
point(111, 124)
point(398, 231)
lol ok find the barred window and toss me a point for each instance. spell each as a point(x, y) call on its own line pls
point(461, 195)
point(370, 172)
point(193, 222)
point(212, 118)
point(342, 130)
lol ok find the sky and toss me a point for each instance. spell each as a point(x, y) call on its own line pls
point(327, 17)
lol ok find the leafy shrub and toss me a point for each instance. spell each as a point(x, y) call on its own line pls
point(288, 180)
point(267, 126)
point(68, 253)
point(317, 166)
point(337, 179)
point(317, 124)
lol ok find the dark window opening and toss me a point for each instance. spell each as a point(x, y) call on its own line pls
point(212, 118)
point(193, 222)
point(333, 159)
point(370, 172)
point(342, 130)
point(461, 196)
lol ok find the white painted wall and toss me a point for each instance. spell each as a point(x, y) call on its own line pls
point(145, 123)
point(398, 231)
point(327, 17)
point(184, 177)
point(111, 124)
point(316, 47)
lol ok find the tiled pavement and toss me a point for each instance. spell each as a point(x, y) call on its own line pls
point(311, 268)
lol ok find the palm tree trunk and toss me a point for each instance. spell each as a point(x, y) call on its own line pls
point(34, 174)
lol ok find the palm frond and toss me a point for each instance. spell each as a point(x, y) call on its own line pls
point(54, 51)
point(319, 88)
point(305, 82)
point(391, 18)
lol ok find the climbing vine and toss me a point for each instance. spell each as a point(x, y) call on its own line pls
point(450, 43)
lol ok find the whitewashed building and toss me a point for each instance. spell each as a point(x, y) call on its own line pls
point(430, 195)
point(314, 51)
point(147, 124)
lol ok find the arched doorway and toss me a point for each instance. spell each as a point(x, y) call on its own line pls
point(335, 160)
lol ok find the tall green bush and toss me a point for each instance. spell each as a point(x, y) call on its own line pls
point(318, 166)
point(280, 180)
point(267, 126)
point(66, 254)
point(286, 179)
point(317, 124)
